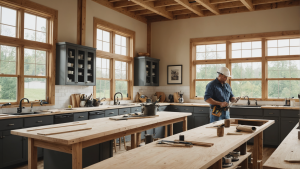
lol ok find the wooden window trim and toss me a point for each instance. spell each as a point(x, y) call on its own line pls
point(242, 38)
point(21, 43)
point(115, 29)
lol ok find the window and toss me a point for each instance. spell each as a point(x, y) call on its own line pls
point(255, 71)
point(120, 45)
point(103, 40)
point(35, 28)
point(284, 47)
point(103, 78)
point(114, 60)
point(26, 71)
point(246, 49)
point(8, 22)
point(214, 51)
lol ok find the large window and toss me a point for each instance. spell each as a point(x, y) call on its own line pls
point(114, 59)
point(26, 64)
point(257, 69)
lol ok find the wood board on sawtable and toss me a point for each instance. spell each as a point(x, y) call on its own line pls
point(163, 96)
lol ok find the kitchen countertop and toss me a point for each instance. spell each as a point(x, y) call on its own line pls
point(107, 107)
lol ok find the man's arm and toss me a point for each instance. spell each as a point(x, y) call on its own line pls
point(214, 102)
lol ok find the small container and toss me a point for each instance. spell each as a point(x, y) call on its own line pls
point(153, 66)
point(82, 103)
point(69, 106)
point(72, 57)
point(70, 72)
point(80, 65)
point(70, 53)
point(227, 123)
point(181, 137)
point(89, 66)
point(70, 64)
point(89, 59)
point(79, 73)
point(220, 131)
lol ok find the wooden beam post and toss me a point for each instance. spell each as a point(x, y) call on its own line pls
point(171, 129)
point(133, 141)
point(185, 122)
point(209, 6)
point(166, 131)
point(189, 6)
point(217, 165)
point(32, 154)
point(248, 4)
point(149, 37)
point(77, 156)
point(81, 22)
point(138, 139)
point(255, 152)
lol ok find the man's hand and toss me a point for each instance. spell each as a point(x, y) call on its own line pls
point(223, 104)
point(235, 99)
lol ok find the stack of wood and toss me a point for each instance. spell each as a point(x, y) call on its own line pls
point(143, 54)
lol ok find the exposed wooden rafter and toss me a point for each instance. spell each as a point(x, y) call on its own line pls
point(164, 3)
point(150, 6)
point(135, 8)
point(209, 6)
point(248, 4)
point(187, 5)
point(182, 12)
point(122, 4)
point(143, 12)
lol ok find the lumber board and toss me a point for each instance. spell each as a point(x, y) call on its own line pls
point(290, 144)
point(153, 156)
point(150, 6)
point(187, 5)
point(209, 6)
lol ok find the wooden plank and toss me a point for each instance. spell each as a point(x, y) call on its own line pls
point(77, 156)
point(121, 10)
point(255, 152)
point(122, 4)
point(135, 8)
point(194, 9)
point(32, 154)
point(83, 22)
point(217, 165)
point(165, 3)
point(169, 158)
point(143, 12)
point(133, 141)
point(166, 131)
point(185, 11)
point(26, 43)
point(150, 6)
point(102, 24)
point(209, 6)
point(79, 8)
point(56, 126)
point(175, 8)
point(248, 4)
point(51, 146)
point(171, 129)
point(221, 1)
point(149, 37)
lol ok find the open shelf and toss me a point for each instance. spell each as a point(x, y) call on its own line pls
point(241, 159)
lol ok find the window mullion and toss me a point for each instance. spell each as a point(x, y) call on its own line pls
point(112, 84)
point(264, 72)
point(20, 90)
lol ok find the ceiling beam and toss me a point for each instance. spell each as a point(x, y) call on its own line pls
point(182, 12)
point(221, 1)
point(248, 4)
point(135, 8)
point(165, 3)
point(143, 12)
point(209, 6)
point(175, 8)
point(187, 5)
point(122, 4)
point(150, 6)
point(121, 10)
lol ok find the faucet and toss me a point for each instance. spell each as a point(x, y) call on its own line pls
point(19, 110)
point(40, 102)
point(248, 100)
point(117, 102)
point(255, 102)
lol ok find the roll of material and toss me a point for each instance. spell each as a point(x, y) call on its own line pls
point(245, 128)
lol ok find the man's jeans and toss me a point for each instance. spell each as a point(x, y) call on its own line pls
point(225, 115)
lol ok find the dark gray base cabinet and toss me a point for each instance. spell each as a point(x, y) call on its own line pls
point(287, 124)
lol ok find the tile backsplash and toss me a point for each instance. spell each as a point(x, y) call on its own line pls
point(62, 96)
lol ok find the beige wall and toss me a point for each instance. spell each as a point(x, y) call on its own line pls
point(67, 21)
point(170, 39)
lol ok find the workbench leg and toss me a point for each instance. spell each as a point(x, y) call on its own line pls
point(166, 131)
point(255, 152)
point(133, 141)
point(138, 139)
point(120, 142)
point(217, 165)
point(32, 154)
point(171, 129)
point(244, 164)
point(260, 149)
point(185, 124)
point(77, 156)
point(115, 145)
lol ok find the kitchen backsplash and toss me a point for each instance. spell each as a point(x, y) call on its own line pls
point(62, 96)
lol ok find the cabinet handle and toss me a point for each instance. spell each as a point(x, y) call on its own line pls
point(81, 116)
point(111, 113)
point(11, 124)
point(40, 121)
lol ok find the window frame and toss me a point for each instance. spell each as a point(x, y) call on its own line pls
point(50, 47)
point(130, 36)
point(263, 37)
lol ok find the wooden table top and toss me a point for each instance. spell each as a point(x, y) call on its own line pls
point(281, 107)
point(289, 144)
point(100, 127)
point(156, 156)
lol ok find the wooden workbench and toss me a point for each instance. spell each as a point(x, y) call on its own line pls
point(103, 130)
point(291, 143)
point(155, 156)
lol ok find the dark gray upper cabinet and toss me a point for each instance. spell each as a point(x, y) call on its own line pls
point(75, 64)
point(146, 71)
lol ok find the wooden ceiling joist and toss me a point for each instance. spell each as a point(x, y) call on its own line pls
point(175, 8)
point(150, 6)
point(221, 1)
point(187, 5)
point(121, 10)
point(135, 8)
point(143, 12)
point(164, 3)
point(122, 4)
point(209, 6)
point(182, 12)
point(248, 4)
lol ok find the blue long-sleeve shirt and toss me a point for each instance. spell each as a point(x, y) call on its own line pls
point(218, 91)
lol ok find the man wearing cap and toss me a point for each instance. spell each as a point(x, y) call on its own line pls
point(218, 94)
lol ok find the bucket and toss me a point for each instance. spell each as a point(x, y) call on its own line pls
point(149, 110)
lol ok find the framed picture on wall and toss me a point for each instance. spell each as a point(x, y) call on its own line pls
point(174, 74)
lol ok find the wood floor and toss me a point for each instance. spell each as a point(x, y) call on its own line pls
point(268, 151)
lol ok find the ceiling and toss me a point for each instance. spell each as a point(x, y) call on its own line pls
point(164, 10)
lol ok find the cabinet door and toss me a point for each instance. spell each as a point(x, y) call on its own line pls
point(286, 125)
point(71, 59)
point(91, 68)
point(81, 62)
point(272, 133)
point(191, 124)
point(200, 120)
point(154, 73)
point(12, 149)
point(25, 149)
point(148, 81)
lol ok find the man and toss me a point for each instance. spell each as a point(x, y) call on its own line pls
point(218, 93)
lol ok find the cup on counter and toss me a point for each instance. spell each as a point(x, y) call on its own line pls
point(80, 65)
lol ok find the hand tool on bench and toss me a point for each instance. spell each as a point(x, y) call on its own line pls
point(197, 143)
point(175, 143)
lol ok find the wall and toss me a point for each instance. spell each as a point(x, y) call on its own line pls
point(170, 39)
point(67, 32)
